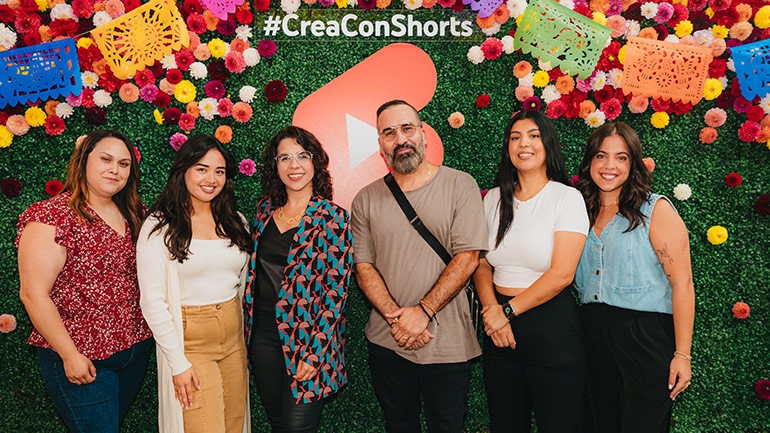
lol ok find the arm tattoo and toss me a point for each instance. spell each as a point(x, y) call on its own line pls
point(665, 257)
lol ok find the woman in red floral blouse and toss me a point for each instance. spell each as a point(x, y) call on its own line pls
point(77, 268)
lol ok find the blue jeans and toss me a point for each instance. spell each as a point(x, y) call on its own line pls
point(101, 405)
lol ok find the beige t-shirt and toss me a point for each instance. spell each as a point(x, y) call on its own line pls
point(450, 206)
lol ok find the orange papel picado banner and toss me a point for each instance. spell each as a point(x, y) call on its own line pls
point(139, 38)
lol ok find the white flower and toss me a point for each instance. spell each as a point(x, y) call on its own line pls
point(8, 37)
point(251, 56)
point(730, 65)
point(102, 98)
point(507, 41)
point(90, 80)
point(544, 65)
point(516, 7)
point(723, 80)
point(569, 4)
point(765, 103)
point(674, 39)
point(243, 32)
point(649, 10)
point(101, 18)
point(352, 3)
point(168, 62)
point(527, 80)
point(599, 80)
point(247, 94)
point(703, 37)
point(632, 29)
point(63, 11)
point(489, 31)
point(550, 94)
point(615, 77)
point(682, 191)
point(208, 108)
point(290, 6)
point(475, 55)
point(595, 119)
point(198, 70)
point(412, 4)
point(64, 110)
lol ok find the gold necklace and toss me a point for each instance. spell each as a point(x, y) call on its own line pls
point(427, 179)
point(293, 220)
point(608, 205)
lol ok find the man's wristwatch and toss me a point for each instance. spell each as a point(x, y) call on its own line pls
point(508, 311)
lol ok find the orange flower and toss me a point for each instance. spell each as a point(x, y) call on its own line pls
point(192, 109)
point(649, 163)
point(521, 69)
point(565, 84)
point(99, 66)
point(741, 31)
point(211, 20)
point(649, 33)
point(382, 4)
point(487, 22)
point(224, 134)
point(129, 92)
point(239, 45)
point(45, 33)
point(638, 104)
point(586, 107)
point(166, 87)
point(764, 135)
point(744, 12)
point(50, 107)
point(718, 47)
point(765, 123)
point(617, 24)
point(501, 14)
point(741, 310)
point(599, 5)
point(195, 40)
point(456, 120)
point(524, 92)
point(98, 6)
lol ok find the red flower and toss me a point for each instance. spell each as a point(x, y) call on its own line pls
point(556, 109)
point(25, 23)
point(662, 31)
point(11, 187)
point(192, 6)
point(186, 122)
point(725, 100)
point(611, 108)
point(173, 76)
point(171, 115)
point(184, 58)
point(483, 100)
point(225, 107)
point(696, 5)
point(261, 5)
point(727, 17)
point(96, 116)
point(603, 94)
point(87, 98)
point(130, 5)
point(755, 114)
point(54, 125)
point(531, 103)
point(137, 154)
point(661, 104)
point(196, 23)
point(733, 179)
point(681, 108)
point(28, 6)
point(52, 187)
point(741, 104)
point(7, 15)
point(162, 99)
point(555, 73)
point(762, 388)
point(144, 77)
point(32, 38)
point(267, 48)
point(749, 131)
point(717, 67)
point(492, 48)
point(227, 27)
point(762, 205)
point(214, 89)
point(244, 16)
point(275, 91)
point(218, 70)
point(719, 5)
point(741, 310)
point(63, 28)
point(83, 8)
point(680, 13)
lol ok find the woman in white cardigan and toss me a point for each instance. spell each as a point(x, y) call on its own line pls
point(191, 261)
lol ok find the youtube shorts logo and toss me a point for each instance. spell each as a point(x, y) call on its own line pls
point(342, 114)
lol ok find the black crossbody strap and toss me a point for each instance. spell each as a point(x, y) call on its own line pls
point(415, 220)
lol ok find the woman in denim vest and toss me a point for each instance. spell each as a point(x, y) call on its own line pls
point(635, 283)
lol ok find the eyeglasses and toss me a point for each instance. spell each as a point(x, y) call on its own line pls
point(302, 157)
point(389, 135)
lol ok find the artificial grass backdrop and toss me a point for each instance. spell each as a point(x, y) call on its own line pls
point(729, 355)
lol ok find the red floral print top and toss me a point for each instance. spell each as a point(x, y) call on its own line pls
point(96, 293)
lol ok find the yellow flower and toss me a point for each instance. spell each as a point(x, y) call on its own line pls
point(6, 138)
point(682, 2)
point(541, 79)
point(762, 18)
point(683, 28)
point(659, 119)
point(622, 55)
point(42, 5)
point(341, 3)
point(709, 12)
point(599, 17)
point(158, 117)
point(84, 42)
point(719, 32)
point(185, 92)
point(217, 47)
point(712, 89)
point(35, 116)
point(716, 235)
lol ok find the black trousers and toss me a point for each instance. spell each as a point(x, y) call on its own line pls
point(402, 387)
point(546, 371)
point(274, 384)
point(629, 354)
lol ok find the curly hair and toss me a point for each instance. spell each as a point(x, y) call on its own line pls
point(173, 207)
point(507, 175)
point(637, 188)
point(127, 199)
point(272, 185)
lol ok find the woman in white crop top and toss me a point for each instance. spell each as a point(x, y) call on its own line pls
point(191, 262)
point(533, 354)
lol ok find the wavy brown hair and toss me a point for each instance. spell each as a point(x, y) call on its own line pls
point(127, 199)
point(173, 207)
point(272, 185)
point(634, 192)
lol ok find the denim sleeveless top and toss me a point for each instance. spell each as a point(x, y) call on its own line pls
point(622, 269)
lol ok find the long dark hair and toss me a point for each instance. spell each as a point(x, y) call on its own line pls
point(173, 207)
point(507, 176)
point(272, 185)
point(634, 192)
point(127, 199)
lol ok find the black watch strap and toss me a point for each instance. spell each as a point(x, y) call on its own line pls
point(508, 311)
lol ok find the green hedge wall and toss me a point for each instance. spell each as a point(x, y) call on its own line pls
point(729, 355)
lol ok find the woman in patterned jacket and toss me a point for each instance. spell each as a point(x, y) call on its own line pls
point(297, 287)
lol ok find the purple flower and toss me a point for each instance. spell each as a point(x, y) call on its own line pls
point(148, 93)
point(616, 8)
point(267, 48)
point(177, 140)
point(10, 187)
point(532, 103)
point(214, 89)
point(247, 167)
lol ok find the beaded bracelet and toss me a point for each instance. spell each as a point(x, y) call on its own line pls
point(682, 355)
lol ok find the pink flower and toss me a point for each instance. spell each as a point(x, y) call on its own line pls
point(7, 323)
point(137, 154)
point(17, 125)
point(177, 140)
point(524, 92)
point(247, 167)
point(649, 163)
point(611, 108)
point(225, 107)
point(53, 186)
point(214, 89)
point(242, 112)
point(762, 388)
point(234, 62)
point(708, 135)
point(492, 48)
point(148, 93)
point(665, 12)
point(531, 103)
point(618, 25)
point(574, 180)
point(266, 48)
point(129, 93)
point(741, 310)
point(186, 122)
point(715, 117)
point(638, 104)
point(749, 131)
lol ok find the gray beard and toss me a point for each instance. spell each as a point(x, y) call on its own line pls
point(407, 163)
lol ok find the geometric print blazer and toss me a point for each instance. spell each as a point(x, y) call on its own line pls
point(310, 312)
